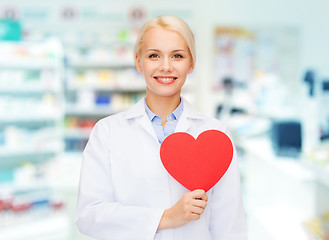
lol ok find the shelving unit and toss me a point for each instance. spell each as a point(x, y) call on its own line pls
point(31, 119)
point(31, 208)
point(31, 101)
point(100, 82)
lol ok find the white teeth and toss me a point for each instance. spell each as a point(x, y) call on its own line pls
point(166, 79)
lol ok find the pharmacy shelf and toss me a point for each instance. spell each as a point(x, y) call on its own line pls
point(11, 159)
point(19, 152)
point(101, 64)
point(95, 111)
point(82, 133)
point(29, 89)
point(31, 102)
point(28, 63)
point(50, 228)
point(32, 208)
point(105, 88)
point(26, 118)
point(101, 81)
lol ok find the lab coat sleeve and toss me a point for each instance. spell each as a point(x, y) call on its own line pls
point(227, 219)
point(97, 214)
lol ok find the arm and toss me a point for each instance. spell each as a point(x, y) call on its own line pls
point(97, 214)
point(227, 220)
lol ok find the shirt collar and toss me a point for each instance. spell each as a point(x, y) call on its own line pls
point(176, 113)
point(138, 110)
point(149, 113)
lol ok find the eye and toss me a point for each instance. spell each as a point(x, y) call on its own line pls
point(178, 56)
point(153, 55)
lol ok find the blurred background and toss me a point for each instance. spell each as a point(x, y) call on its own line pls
point(262, 67)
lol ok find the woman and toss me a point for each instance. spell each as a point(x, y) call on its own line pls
point(125, 192)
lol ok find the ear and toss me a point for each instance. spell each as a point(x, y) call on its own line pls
point(138, 64)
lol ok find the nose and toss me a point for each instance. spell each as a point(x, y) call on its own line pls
point(166, 65)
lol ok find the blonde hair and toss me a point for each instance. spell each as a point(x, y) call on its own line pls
point(171, 23)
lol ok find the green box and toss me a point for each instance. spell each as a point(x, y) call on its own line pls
point(6, 175)
point(10, 30)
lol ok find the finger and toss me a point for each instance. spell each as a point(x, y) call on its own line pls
point(200, 203)
point(198, 193)
point(203, 197)
point(195, 216)
point(197, 210)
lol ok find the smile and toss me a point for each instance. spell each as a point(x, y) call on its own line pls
point(165, 80)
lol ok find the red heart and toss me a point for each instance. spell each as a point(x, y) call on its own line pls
point(200, 163)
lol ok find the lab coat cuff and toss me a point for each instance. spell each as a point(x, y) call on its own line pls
point(158, 216)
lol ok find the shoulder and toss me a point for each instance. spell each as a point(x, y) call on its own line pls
point(211, 123)
point(113, 120)
point(216, 124)
point(121, 119)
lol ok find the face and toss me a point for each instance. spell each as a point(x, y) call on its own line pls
point(165, 62)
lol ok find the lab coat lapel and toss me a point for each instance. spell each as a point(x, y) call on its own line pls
point(183, 124)
point(187, 118)
point(138, 111)
point(145, 122)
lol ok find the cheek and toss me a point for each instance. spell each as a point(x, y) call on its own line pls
point(184, 69)
point(149, 67)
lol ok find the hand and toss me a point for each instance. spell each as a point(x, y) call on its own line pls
point(188, 208)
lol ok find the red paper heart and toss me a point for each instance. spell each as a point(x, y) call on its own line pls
point(197, 163)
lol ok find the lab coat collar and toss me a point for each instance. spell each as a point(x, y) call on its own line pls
point(137, 110)
point(184, 122)
point(190, 112)
point(189, 115)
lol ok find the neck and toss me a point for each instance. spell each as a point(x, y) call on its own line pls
point(162, 106)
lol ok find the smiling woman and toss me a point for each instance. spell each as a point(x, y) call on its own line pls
point(165, 60)
point(125, 191)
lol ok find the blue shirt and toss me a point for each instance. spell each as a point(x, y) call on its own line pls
point(170, 125)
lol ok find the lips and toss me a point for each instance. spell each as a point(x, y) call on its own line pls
point(165, 79)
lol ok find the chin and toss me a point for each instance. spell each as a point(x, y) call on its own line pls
point(163, 93)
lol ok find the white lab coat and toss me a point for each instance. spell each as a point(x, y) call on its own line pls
point(124, 188)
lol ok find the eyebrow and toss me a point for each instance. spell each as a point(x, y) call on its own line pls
point(156, 50)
